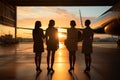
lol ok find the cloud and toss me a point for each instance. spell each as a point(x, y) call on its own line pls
point(30, 12)
point(28, 15)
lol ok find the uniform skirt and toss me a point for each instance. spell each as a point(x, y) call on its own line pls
point(38, 47)
point(87, 47)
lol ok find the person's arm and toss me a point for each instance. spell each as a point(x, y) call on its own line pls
point(46, 36)
point(57, 38)
point(43, 36)
point(92, 36)
point(68, 33)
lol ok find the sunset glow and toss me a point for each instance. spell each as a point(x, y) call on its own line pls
point(60, 35)
point(27, 15)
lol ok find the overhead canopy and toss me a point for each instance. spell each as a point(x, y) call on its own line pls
point(62, 2)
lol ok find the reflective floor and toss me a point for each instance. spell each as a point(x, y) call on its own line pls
point(17, 63)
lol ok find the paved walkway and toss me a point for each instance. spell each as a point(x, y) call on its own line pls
point(17, 63)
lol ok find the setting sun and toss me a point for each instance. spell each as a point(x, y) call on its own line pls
point(60, 35)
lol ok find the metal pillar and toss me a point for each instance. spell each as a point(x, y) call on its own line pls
point(15, 23)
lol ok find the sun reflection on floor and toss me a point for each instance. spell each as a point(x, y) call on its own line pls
point(61, 45)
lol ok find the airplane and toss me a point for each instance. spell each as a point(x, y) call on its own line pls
point(107, 23)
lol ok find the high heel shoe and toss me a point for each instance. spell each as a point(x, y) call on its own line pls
point(38, 69)
point(48, 69)
point(70, 69)
point(52, 70)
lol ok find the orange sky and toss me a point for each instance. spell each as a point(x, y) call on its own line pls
point(26, 17)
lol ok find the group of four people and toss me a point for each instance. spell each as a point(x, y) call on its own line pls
point(52, 42)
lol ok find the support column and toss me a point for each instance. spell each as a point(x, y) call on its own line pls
point(15, 23)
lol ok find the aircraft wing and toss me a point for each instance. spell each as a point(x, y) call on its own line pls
point(109, 22)
point(24, 28)
point(43, 30)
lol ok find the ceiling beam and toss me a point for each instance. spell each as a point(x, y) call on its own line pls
point(62, 2)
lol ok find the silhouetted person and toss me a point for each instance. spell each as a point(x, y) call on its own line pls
point(72, 39)
point(87, 44)
point(38, 47)
point(52, 43)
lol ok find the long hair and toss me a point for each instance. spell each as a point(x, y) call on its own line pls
point(51, 23)
point(37, 24)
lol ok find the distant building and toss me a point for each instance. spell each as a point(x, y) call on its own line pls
point(7, 39)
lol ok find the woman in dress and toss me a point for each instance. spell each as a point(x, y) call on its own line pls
point(87, 44)
point(52, 44)
point(72, 40)
point(38, 47)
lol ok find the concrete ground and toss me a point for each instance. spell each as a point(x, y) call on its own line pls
point(17, 63)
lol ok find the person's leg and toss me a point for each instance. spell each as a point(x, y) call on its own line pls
point(36, 60)
point(52, 59)
point(39, 61)
point(74, 58)
point(70, 60)
point(87, 61)
point(48, 60)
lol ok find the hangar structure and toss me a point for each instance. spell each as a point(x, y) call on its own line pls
point(8, 14)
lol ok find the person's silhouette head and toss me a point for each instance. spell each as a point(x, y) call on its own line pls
point(87, 22)
point(37, 24)
point(72, 23)
point(51, 23)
